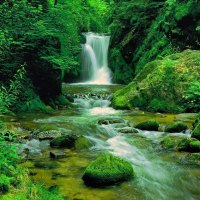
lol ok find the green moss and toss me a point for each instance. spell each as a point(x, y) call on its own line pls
point(82, 143)
point(150, 125)
point(196, 131)
point(64, 141)
point(4, 184)
point(195, 146)
point(47, 127)
point(107, 170)
point(170, 142)
point(175, 127)
point(184, 144)
point(46, 165)
point(163, 85)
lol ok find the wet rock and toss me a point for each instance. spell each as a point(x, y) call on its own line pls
point(127, 130)
point(196, 131)
point(194, 158)
point(32, 173)
point(181, 144)
point(82, 143)
point(64, 141)
point(175, 127)
point(46, 165)
point(170, 142)
point(110, 121)
point(57, 155)
point(150, 125)
point(194, 146)
point(184, 144)
point(107, 170)
point(47, 135)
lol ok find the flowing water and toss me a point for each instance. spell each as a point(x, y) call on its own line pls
point(160, 175)
point(95, 59)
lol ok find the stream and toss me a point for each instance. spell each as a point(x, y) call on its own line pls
point(160, 175)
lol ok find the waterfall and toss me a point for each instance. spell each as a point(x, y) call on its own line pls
point(95, 59)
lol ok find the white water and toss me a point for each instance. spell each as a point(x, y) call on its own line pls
point(95, 59)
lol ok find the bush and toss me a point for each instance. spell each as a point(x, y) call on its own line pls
point(4, 184)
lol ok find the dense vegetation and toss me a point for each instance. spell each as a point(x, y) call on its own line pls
point(155, 49)
point(151, 29)
point(167, 85)
point(40, 46)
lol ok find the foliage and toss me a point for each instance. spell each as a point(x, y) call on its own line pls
point(4, 184)
point(156, 29)
point(9, 95)
point(162, 84)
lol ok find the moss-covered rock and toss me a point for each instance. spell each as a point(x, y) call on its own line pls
point(167, 85)
point(181, 144)
point(175, 127)
point(47, 165)
point(184, 144)
point(4, 184)
point(170, 142)
point(107, 170)
point(150, 125)
point(106, 121)
point(127, 130)
point(194, 146)
point(82, 143)
point(196, 131)
point(64, 141)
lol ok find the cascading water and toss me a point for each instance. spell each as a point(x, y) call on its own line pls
point(95, 59)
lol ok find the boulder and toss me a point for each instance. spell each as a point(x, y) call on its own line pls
point(110, 121)
point(64, 141)
point(57, 155)
point(82, 143)
point(196, 131)
point(107, 170)
point(176, 127)
point(167, 85)
point(46, 165)
point(170, 142)
point(47, 135)
point(150, 125)
point(184, 144)
point(194, 146)
point(127, 130)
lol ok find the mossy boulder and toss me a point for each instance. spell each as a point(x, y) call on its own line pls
point(4, 184)
point(64, 141)
point(150, 125)
point(170, 142)
point(47, 165)
point(82, 143)
point(167, 85)
point(107, 121)
point(181, 144)
point(196, 131)
point(107, 170)
point(195, 146)
point(175, 127)
point(184, 144)
point(127, 130)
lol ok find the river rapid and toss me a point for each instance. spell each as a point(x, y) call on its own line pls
point(160, 174)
